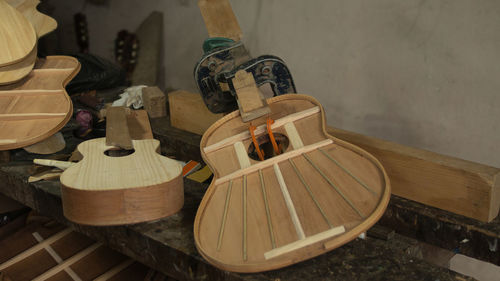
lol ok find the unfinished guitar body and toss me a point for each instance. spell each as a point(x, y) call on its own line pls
point(106, 190)
point(317, 195)
point(17, 35)
point(38, 106)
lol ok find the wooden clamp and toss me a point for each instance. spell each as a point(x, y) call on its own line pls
point(251, 102)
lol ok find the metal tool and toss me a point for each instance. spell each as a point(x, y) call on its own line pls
point(223, 57)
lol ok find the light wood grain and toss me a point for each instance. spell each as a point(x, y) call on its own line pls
point(298, 206)
point(105, 190)
point(52, 144)
point(459, 186)
point(183, 105)
point(220, 19)
point(155, 102)
point(22, 124)
point(261, 129)
point(42, 23)
point(14, 72)
point(117, 132)
point(17, 35)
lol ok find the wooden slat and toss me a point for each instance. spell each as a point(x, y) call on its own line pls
point(293, 135)
point(56, 257)
point(304, 242)
point(271, 161)
point(261, 129)
point(459, 186)
point(35, 248)
point(115, 270)
point(289, 203)
point(241, 154)
point(56, 269)
point(29, 116)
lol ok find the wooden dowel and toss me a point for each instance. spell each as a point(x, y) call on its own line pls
point(348, 172)
point(262, 129)
point(245, 217)
point(268, 213)
point(34, 249)
point(56, 269)
point(289, 203)
point(310, 192)
point(334, 186)
point(304, 242)
point(271, 161)
point(224, 215)
point(63, 165)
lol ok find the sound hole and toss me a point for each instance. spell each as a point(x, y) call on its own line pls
point(266, 146)
point(118, 152)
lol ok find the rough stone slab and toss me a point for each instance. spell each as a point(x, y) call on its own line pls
point(168, 246)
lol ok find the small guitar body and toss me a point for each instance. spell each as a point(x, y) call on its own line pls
point(37, 107)
point(107, 190)
point(317, 194)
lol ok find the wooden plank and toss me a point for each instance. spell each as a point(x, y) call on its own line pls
point(250, 100)
point(459, 186)
point(117, 133)
point(220, 19)
point(189, 113)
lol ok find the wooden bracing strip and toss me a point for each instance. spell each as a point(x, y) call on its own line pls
point(30, 116)
point(35, 248)
point(56, 269)
point(262, 129)
point(56, 257)
point(289, 203)
point(304, 242)
point(271, 161)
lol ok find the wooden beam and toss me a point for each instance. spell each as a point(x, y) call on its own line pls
point(459, 186)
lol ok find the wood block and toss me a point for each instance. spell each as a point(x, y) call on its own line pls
point(220, 19)
point(189, 113)
point(459, 186)
point(117, 132)
point(155, 102)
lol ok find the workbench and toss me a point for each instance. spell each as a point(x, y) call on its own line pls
point(168, 246)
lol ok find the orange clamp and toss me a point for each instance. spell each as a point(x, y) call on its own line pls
point(269, 122)
point(255, 144)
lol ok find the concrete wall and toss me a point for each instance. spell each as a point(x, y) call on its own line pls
point(421, 73)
